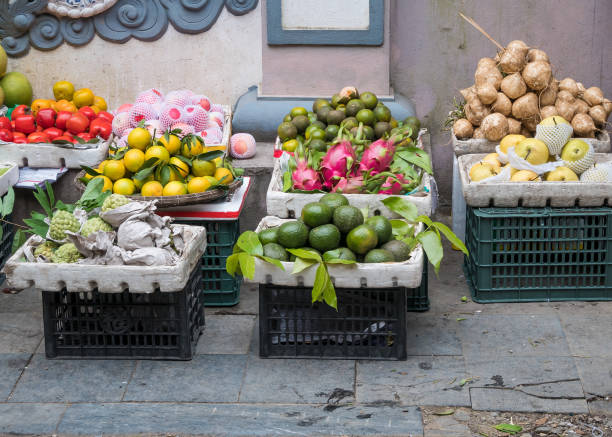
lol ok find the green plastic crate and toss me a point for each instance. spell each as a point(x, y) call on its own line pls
point(539, 254)
point(417, 299)
point(220, 289)
point(6, 243)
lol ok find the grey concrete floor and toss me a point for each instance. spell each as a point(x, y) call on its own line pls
point(522, 357)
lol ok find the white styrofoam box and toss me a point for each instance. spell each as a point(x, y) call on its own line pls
point(9, 178)
point(54, 155)
point(107, 278)
point(458, 206)
point(380, 275)
point(227, 127)
point(601, 144)
point(533, 194)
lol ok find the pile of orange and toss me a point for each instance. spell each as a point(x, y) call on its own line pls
point(69, 99)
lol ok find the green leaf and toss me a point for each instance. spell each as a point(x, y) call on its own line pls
point(8, 202)
point(444, 412)
point(63, 207)
point(92, 192)
point(424, 219)
point(416, 156)
point(37, 226)
point(185, 160)
point(164, 175)
point(150, 163)
point(273, 261)
point(231, 264)
point(247, 265)
point(402, 207)
point(287, 181)
point(79, 139)
point(340, 261)
point(450, 235)
point(321, 280)
point(509, 428)
point(400, 228)
point(18, 240)
point(90, 171)
point(50, 194)
point(305, 254)
point(249, 242)
point(144, 173)
point(433, 247)
point(209, 156)
point(364, 212)
point(43, 200)
point(301, 264)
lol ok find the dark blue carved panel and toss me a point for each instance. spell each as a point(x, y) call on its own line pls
point(24, 23)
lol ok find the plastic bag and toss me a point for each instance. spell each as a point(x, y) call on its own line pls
point(503, 176)
point(503, 158)
point(519, 163)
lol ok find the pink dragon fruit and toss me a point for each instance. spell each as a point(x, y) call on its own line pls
point(352, 185)
point(338, 163)
point(377, 157)
point(305, 178)
point(393, 185)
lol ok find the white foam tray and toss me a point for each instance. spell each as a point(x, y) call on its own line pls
point(107, 279)
point(9, 178)
point(533, 194)
point(601, 144)
point(380, 275)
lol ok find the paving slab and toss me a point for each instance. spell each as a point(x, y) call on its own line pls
point(11, 366)
point(230, 334)
point(432, 334)
point(501, 399)
point(249, 302)
point(32, 419)
point(240, 420)
point(596, 376)
point(28, 300)
point(506, 335)
point(588, 338)
point(298, 381)
point(446, 426)
point(416, 381)
point(206, 378)
point(73, 380)
point(601, 407)
point(20, 332)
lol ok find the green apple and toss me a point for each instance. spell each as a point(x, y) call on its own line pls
point(482, 170)
point(553, 121)
point(561, 174)
point(532, 150)
point(574, 150)
point(510, 141)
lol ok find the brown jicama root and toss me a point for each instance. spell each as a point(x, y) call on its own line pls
point(486, 93)
point(537, 55)
point(581, 106)
point(531, 123)
point(525, 107)
point(526, 132)
point(568, 84)
point(548, 111)
point(513, 86)
point(469, 94)
point(593, 96)
point(487, 73)
point(607, 105)
point(537, 75)
point(513, 59)
point(463, 129)
point(478, 133)
point(583, 126)
point(598, 114)
point(502, 104)
point(514, 126)
point(566, 96)
point(548, 96)
point(475, 111)
point(564, 108)
point(495, 126)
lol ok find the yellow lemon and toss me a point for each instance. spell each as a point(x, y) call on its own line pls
point(152, 188)
point(174, 188)
point(133, 159)
point(108, 184)
point(172, 144)
point(192, 147)
point(114, 170)
point(158, 152)
point(124, 186)
point(139, 138)
point(198, 185)
point(203, 168)
point(221, 173)
point(138, 184)
point(218, 161)
point(100, 103)
point(182, 166)
point(83, 97)
point(63, 90)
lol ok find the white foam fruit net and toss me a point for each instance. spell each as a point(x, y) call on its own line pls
point(583, 164)
point(140, 112)
point(598, 173)
point(214, 107)
point(212, 135)
point(554, 136)
point(151, 96)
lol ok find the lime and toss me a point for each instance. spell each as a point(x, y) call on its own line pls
point(290, 145)
point(287, 117)
point(335, 117)
point(349, 123)
point(393, 123)
point(331, 132)
point(339, 253)
point(321, 125)
point(382, 113)
point(399, 249)
point(347, 217)
point(275, 251)
point(298, 110)
point(353, 107)
point(382, 227)
point(369, 99)
point(316, 134)
point(322, 113)
point(341, 108)
point(378, 256)
point(335, 100)
point(318, 145)
point(292, 234)
point(415, 124)
point(312, 117)
point(368, 132)
point(361, 239)
point(268, 236)
point(366, 116)
point(319, 103)
point(325, 237)
point(300, 122)
point(381, 128)
point(316, 214)
point(334, 200)
point(286, 131)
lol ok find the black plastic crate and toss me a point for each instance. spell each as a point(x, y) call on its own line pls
point(418, 298)
point(370, 323)
point(539, 254)
point(220, 288)
point(159, 325)
point(6, 243)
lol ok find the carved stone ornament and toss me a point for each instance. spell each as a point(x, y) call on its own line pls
point(46, 24)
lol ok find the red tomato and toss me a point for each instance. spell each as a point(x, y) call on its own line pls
point(46, 118)
point(77, 123)
point(106, 115)
point(20, 140)
point(25, 124)
point(65, 138)
point(6, 135)
point(18, 135)
point(19, 111)
point(53, 132)
point(88, 112)
point(67, 134)
point(38, 137)
point(85, 136)
point(62, 118)
point(5, 123)
point(101, 128)
point(39, 128)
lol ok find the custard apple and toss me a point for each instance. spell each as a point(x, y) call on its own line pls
point(66, 253)
point(95, 224)
point(114, 201)
point(61, 222)
point(45, 249)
